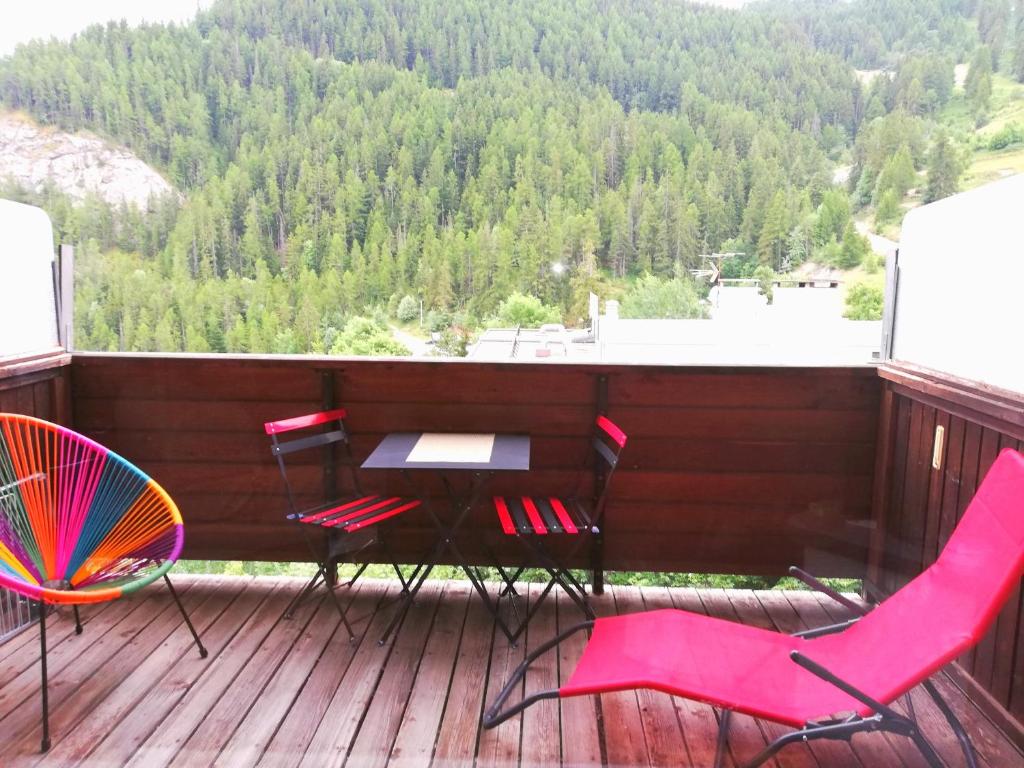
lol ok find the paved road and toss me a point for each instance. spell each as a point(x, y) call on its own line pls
point(883, 246)
point(416, 345)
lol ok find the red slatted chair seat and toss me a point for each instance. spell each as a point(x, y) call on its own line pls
point(357, 512)
point(541, 515)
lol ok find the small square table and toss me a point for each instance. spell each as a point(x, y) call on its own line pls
point(444, 453)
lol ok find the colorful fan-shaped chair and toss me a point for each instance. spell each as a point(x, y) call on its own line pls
point(79, 524)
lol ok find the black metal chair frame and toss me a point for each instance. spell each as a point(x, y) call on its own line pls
point(601, 476)
point(885, 718)
point(460, 507)
point(332, 435)
point(41, 606)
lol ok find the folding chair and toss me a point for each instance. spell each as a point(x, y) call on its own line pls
point(532, 519)
point(346, 519)
point(832, 682)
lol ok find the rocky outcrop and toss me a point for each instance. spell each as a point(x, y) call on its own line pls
point(77, 163)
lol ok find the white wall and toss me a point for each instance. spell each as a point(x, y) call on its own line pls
point(960, 301)
point(28, 317)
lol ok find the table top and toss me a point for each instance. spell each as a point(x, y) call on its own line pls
point(436, 450)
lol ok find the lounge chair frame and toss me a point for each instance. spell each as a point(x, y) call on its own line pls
point(885, 718)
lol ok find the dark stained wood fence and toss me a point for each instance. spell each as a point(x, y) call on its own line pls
point(735, 470)
point(37, 387)
point(921, 505)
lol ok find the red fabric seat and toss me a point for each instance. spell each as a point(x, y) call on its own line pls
point(928, 623)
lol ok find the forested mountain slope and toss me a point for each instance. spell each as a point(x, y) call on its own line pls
point(337, 155)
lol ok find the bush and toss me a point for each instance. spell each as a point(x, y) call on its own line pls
point(364, 336)
point(864, 302)
point(657, 299)
point(1010, 134)
point(408, 309)
point(520, 310)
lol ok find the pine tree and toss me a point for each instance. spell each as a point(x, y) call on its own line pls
point(771, 245)
point(944, 169)
point(978, 84)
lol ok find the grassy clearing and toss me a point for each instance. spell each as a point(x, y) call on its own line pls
point(635, 578)
point(989, 166)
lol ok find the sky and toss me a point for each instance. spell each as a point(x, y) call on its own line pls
point(25, 20)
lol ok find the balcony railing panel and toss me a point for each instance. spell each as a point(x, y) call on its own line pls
point(727, 469)
point(922, 503)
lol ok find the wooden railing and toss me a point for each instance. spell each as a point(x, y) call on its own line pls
point(919, 504)
point(37, 386)
point(735, 470)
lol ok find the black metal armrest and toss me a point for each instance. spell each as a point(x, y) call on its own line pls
point(831, 629)
point(818, 586)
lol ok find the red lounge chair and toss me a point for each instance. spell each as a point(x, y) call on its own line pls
point(831, 682)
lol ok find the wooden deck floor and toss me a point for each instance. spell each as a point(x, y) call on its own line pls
point(132, 690)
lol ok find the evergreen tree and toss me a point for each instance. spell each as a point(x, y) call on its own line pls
point(944, 169)
point(978, 84)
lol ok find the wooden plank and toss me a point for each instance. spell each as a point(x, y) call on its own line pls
point(237, 699)
point(1005, 632)
point(22, 650)
point(127, 734)
point(430, 699)
point(357, 694)
point(666, 745)
point(72, 661)
point(293, 736)
point(984, 651)
point(982, 404)
point(933, 517)
point(814, 389)
point(952, 471)
point(101, 415)
point(190, 712)
point(625, 743)
point(580, 715)
point(457, 735)
point(855, 426)
point(915, 500)
point(891, 565)
point(541, 743)
point(390, 700)
point(80, 721)
point(276, 700)
point(881, 484)
point(500, 745)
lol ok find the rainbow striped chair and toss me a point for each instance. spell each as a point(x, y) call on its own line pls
point(79, 524)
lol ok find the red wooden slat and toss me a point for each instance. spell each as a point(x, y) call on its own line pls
point(503, 516)
point(612, 430)
point(301, 422)
point(535, 519)
point(384, 515)
point(563, 515)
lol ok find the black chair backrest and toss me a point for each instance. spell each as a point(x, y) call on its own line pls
point(332, 432)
